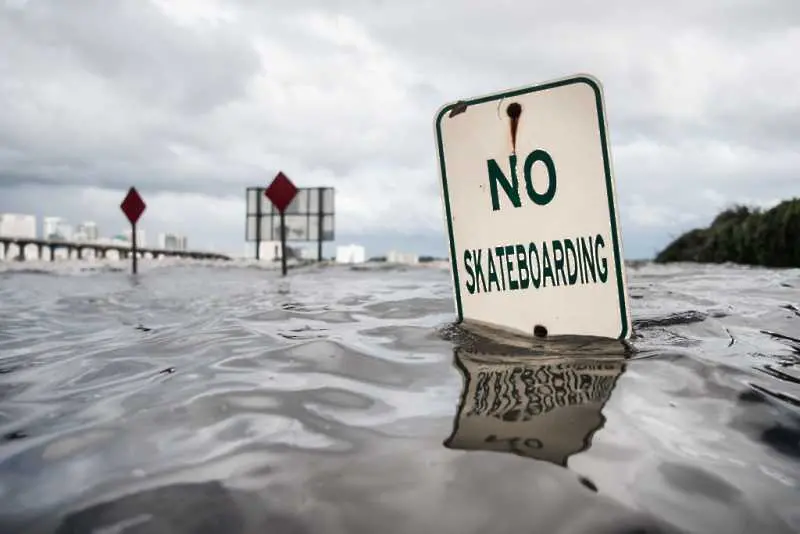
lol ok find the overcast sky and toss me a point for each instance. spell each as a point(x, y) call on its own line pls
point(194, 100)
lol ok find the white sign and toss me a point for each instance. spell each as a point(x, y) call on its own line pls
point(531, 211)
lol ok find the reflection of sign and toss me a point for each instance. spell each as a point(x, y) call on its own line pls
point(530, 205)
point(302, 216)
point(543, 408)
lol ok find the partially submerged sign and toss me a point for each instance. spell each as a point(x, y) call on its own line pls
point(531, 211)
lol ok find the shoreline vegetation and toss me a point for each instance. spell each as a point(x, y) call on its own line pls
point(743, 235)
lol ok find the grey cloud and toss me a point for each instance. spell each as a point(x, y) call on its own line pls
point(762, 131)
point(130, 44)
point(107, 94)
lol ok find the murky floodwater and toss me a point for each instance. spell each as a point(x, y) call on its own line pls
point(210, 398)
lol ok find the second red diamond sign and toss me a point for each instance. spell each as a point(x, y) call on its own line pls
point(281, 192)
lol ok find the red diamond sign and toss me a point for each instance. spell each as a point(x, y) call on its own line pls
point(133, 206)
point(281, 192)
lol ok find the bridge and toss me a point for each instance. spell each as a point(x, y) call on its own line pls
point(100, 250)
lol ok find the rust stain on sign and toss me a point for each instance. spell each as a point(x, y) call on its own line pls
point(514, 110)
point(458, 108)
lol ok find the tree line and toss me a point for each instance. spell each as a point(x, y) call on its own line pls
point(743, 235)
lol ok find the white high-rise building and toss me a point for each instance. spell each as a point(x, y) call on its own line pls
point(56, 228)
point(18, 225)
point(140, 238)
point(50, 227)
point(350, 254)
point(87, 232)
point(172, 242)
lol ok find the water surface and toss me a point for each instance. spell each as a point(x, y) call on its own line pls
point(222, 398)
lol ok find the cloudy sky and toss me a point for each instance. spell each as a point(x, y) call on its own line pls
point(194, 100)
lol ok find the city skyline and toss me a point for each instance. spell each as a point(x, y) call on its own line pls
point(53, 227)
point(59, 228)
point(374, 245)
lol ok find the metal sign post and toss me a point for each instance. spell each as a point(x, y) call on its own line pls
point(283, 243)
point(258, 231)
point(281, 192)
point(320, 219)
point(133, 206)
point(134, 249)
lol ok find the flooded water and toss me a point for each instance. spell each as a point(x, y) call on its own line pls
point(206, 398)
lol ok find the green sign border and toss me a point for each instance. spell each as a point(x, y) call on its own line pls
point(623, 308)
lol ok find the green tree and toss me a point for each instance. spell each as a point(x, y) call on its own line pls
point(743, 235)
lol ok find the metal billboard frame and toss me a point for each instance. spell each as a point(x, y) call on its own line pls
point(312, 204)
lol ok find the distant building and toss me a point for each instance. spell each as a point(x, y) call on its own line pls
point(140, 238)
point(18, 225)
point(401, 257)
point(86, 232)
point(57, 229)
point(172, 242)
point(50, 227)
point(350, 254)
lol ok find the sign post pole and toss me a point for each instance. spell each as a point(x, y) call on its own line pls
point(134, 252)
point(281, 193)
point(320, 215)
point(283, 243)
point(133, 206)
point(258, 227)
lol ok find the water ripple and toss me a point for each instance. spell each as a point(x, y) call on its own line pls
point(345, 400)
